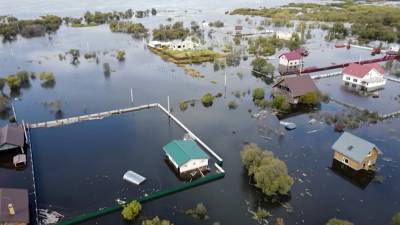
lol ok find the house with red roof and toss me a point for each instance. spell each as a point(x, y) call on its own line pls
point(367, 77)
point(290, 61)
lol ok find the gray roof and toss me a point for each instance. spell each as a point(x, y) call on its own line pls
point(19, 200)
point(11, 134)
point(353, 147)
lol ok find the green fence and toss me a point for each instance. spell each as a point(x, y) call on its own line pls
point(143, 199)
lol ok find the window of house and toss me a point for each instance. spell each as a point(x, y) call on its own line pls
point(353, 85)
point(354, 80)
point(346, 83)
point(345, 161)
point(369, 153)
point(347, 78)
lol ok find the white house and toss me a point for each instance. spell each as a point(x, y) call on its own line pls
point(283, 35)
point(290, 59)
point(186, 156)
point(182, 45)
point(367, 77)
point(174, 45)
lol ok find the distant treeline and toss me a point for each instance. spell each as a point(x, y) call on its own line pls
point(369, 22)
point(10, 26)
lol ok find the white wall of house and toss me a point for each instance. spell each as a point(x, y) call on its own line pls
point(283, 35)
point(372, 81)
point(289, 63)
point(193, 164)
point(182, 45)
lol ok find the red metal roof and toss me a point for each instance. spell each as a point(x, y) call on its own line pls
point(293, 55)
point(360, 71)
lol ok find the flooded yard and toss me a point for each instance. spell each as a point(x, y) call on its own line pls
point(79, 168)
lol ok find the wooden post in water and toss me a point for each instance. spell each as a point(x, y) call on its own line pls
point(15, 115)
point(169, 110)
point(132, 96)
point(225, 84)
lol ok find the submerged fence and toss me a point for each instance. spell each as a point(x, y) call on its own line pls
point(143, 199)
point(95, 116)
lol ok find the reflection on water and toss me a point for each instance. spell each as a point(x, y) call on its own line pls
point(359, 178)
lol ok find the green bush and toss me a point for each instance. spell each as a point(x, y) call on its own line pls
point(258, 94)
point(131, 210)
point(396, 219)
point(232, 105)
point(120, 55)
point(207, 99)
point(4, 104)
point(262, 67)
point(280, 102)
point(269, 173)
point(183, 105)
point(156, 221)
point(335, 221)
point(310, 98)
point(13, 82)
point(217, 24)
point(199, 212)
point(47, 79)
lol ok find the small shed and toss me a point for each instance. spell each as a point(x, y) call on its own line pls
point(294, 87)
point(186, 156)
point(14, 206)
point(355, 152)
point(133, 177)
point(11, 137)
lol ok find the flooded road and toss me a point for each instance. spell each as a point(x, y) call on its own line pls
point(79, 168)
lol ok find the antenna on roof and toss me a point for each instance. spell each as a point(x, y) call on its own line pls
point(350, 147)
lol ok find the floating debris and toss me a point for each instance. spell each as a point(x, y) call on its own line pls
point(288, 125)
point(49, 217)
point(312, 131)
point(312, 121)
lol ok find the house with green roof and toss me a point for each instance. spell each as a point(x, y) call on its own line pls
point(355, 152)
point(186, 156)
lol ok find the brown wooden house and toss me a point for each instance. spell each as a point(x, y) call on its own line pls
point(355, 152)
point(294, 87)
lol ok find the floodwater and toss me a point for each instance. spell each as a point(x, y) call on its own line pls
point(79, 168)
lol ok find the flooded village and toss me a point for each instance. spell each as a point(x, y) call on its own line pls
point(200, 112)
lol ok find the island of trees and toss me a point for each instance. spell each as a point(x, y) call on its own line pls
point(368, 22)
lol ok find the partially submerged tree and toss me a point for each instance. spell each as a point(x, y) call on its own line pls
point(75, 53)
point(207, 99)
point(310, 98)
point(120, 55)
point(131, 210)
point(106, 69)
point(199, 212)
point(47, 79)
point(396, 219)
point(335, 221)
point(258, 93)
point(269, 173)
point(156, 221)
point(261, 67)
